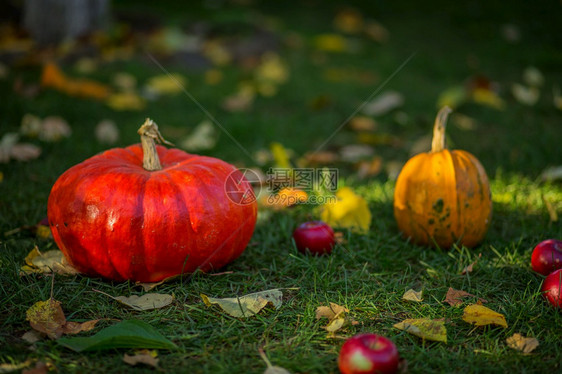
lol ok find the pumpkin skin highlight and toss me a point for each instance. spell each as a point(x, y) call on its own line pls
point(112, 218)
point(443, 197)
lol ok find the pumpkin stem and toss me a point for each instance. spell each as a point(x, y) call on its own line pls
point(438, 142)
point(149, 136)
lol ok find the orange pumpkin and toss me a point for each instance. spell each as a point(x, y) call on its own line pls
point(443, 197)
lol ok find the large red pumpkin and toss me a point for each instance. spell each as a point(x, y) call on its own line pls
point(145, 216)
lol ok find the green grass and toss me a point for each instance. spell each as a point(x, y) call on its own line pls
point(369, 273)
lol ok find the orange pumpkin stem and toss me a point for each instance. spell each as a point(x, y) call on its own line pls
point(438, 142)
point(149, 136)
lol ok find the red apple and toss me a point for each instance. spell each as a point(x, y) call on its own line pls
point(368, 353)
point(316, 236)
point(552, 288)
point(547, 256)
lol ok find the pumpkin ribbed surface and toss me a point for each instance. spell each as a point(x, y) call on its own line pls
point(114, 219)
point(443, 197)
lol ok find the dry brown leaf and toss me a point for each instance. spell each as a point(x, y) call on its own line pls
point(363, 123)
point(47, 317)
point(384, 103)
point(145, 356)
point(522, 343)
point(320, 158)
point(40, 368)
point(412, 295)
point(524, 94)
point(271, 369)
point(480, 315)
point(54, 128)
point(107, 132)
point(424, 328)
point(247, 305)
point(50, 261)
point(330, 311)
point(145, 302)
point(469, 268)
point(349, 21)
point(71, 328)
point(454, 297)
point(31, 336)
point(369, 168)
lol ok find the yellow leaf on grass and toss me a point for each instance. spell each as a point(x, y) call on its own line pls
point(335, 324)
point(285, 198)
point(480, 315)
point(412, 295)
point(50, 261)
point(488, 98)
point(204, 136)
point(272, 70)
point(331, 43)
point(247, 305)
point(424, 328)
point(147, 301)
point(452, 97)
point(280, 155)
point(166, 84)
point(8, 368)
point(331, 311)
point(126, 101)
point(522, 343)
point(349, 21)
point(348, 211)
point(47, 317)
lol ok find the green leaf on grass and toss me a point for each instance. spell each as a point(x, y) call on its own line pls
point(125, 334)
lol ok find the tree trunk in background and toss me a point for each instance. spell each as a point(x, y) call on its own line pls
point(52, 21)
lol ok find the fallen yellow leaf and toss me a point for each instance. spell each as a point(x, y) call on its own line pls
point(280, 155)
point(480, 315)
point(166, 84)
point(145, 302)
point(330, 311)
point(50, 261)
point(47, 317)
point(248, 305)
point(412, 295)
point(488, 98)
point(521, 343)
point(331, 43)
point(335, 324)
point(125, 101)
point(424, 328)
point(8, 368)
point(348, 211)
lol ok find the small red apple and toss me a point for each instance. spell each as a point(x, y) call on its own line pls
point(316, 236)
point(552, 288)
point(368, 353)
point(547, 256)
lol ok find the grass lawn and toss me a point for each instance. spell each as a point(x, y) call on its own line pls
point(367, 274)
